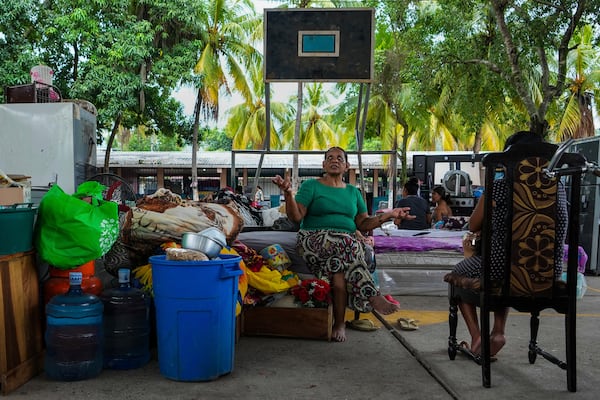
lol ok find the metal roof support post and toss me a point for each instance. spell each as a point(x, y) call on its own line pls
point(360, 133)
point(233, 177)
point(296, 142)
point(267, 143)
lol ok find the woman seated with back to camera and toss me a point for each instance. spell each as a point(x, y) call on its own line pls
point(418, 206)
point(467, 273)
point(330, 212)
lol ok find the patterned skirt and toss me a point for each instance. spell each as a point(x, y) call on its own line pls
point(328, 252)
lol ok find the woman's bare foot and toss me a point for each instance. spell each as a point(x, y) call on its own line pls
point(382, 306)
point(497, 342)
point(476, 345)
point(338, 333)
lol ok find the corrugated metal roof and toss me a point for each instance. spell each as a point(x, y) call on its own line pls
point(222, 159)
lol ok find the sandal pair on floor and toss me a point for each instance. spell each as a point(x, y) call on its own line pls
point(408, 324)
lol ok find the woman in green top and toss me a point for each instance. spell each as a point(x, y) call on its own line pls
point(330, 212)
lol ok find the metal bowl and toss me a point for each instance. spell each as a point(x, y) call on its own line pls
point(216, 234)
point(209, 243)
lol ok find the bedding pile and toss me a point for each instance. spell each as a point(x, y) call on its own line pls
point(164, 217)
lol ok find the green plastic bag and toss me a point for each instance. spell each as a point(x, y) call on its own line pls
point(69, 231)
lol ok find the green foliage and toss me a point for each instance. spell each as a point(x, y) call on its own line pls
point(124, 57)
point(144, 140)
point(444, 77)
point(17, 33)
point(139, 142)
point(214, 140)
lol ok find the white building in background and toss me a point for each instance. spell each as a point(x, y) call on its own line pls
point(147, 171)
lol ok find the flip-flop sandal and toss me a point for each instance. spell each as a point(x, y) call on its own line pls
point(465, 345)
point(408, 324)
point(364, 325)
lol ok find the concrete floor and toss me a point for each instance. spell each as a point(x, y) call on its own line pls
point(384, 364)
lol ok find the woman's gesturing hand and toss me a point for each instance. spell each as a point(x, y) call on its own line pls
point(285, 185)
point(402, 213)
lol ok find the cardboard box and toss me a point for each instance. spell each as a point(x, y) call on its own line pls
point(10, 195)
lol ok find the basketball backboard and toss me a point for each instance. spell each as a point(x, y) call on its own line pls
point(319, 44)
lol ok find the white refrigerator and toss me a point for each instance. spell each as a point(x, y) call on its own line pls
point(50, 142)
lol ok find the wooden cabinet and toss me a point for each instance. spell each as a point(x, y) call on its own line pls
point(21, 319)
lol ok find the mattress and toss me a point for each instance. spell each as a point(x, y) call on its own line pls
point(414, 262)
point(417, 240)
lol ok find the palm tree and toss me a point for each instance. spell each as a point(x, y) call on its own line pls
point(230, 27)
point(246, 123)
point(316, 129)
point(577, 120)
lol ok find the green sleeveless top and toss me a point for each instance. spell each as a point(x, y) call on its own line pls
point(328, 207)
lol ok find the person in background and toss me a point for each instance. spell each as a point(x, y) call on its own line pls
point(259, 195)
point(239, 192)
point(418, 206)
point(330, 212)
point(442, 210)
point(467, 273)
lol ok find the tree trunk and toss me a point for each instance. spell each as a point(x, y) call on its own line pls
point(538, 126)
point(476, 150)
point(477, 143)
point(392, 174)
point(586, 119)
point(143, 78)
point(403, 160)
point(109, 144)
point(75, 62)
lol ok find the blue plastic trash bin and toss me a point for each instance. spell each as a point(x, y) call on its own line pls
point(195, 316)
point(275, 200)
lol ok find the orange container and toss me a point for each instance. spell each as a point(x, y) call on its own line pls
point(58, 283)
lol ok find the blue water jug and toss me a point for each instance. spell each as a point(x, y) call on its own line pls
point(126, 325)
point(73, 334)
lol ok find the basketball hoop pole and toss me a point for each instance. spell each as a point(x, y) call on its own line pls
point(360, 132)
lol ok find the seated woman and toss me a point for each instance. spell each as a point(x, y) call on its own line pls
point(467, 273)
point(330, 212)
point(442, 210)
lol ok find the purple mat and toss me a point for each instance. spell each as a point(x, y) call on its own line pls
point(387, 244)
